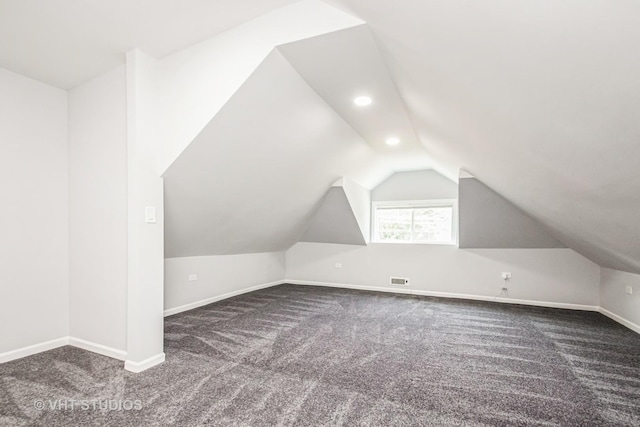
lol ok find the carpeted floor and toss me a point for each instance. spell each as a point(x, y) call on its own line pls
point(308, 356)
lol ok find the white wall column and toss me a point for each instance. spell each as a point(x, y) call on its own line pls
point(145, 237)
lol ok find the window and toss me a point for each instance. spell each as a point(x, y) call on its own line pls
point(431, 221)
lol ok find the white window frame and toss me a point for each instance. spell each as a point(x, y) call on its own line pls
point(415, 204)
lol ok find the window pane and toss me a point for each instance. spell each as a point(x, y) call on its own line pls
point(393, 224)
point(433, 224)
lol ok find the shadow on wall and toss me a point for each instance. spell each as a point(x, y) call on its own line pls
point(488, 220)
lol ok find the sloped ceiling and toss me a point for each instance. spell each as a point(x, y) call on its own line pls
point(345, 64)
point(539, 102)
point(255, 175)
point(253, 178)
point(538, 99)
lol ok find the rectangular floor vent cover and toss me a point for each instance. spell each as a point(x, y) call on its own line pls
point(399, 281)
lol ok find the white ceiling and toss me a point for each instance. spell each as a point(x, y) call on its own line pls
point(67, 42)
point(539, 99)
point(345, 64)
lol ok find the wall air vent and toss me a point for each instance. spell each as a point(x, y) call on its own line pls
point(402, 281)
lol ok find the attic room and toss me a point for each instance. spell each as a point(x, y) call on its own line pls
point(337, 212)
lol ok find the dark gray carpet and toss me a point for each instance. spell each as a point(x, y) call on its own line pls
point(307, 356)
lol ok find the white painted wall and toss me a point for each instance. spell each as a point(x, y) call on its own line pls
point(547, 275)
point(614, 298)
point(98, 210)
point(218, 275)
point(34, 251)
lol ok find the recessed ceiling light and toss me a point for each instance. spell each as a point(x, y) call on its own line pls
point(362, 101)
point(393, 141)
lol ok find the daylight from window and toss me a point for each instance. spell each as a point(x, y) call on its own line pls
point(414, 224)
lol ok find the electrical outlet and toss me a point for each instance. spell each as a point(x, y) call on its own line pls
point(338, 265)
point(193, 277)
point(629, 290)
point(506, 275)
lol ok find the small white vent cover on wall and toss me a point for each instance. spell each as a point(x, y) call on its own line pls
point(403, 281)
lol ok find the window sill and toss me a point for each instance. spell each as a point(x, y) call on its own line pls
point(416, 243)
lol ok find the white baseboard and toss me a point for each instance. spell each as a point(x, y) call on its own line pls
point(620, 319)
point(137, 367)
point(207, 301)
point(60, 342)
point(33, 349)
point(448, 295)
point(349, 286)
point(502, 300)
point(98, 348)
point(159, 358)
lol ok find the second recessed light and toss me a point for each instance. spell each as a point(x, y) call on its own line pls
point(362, 101)
point(393, 141)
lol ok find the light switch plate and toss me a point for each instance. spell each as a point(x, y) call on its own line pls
point(150, 214)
